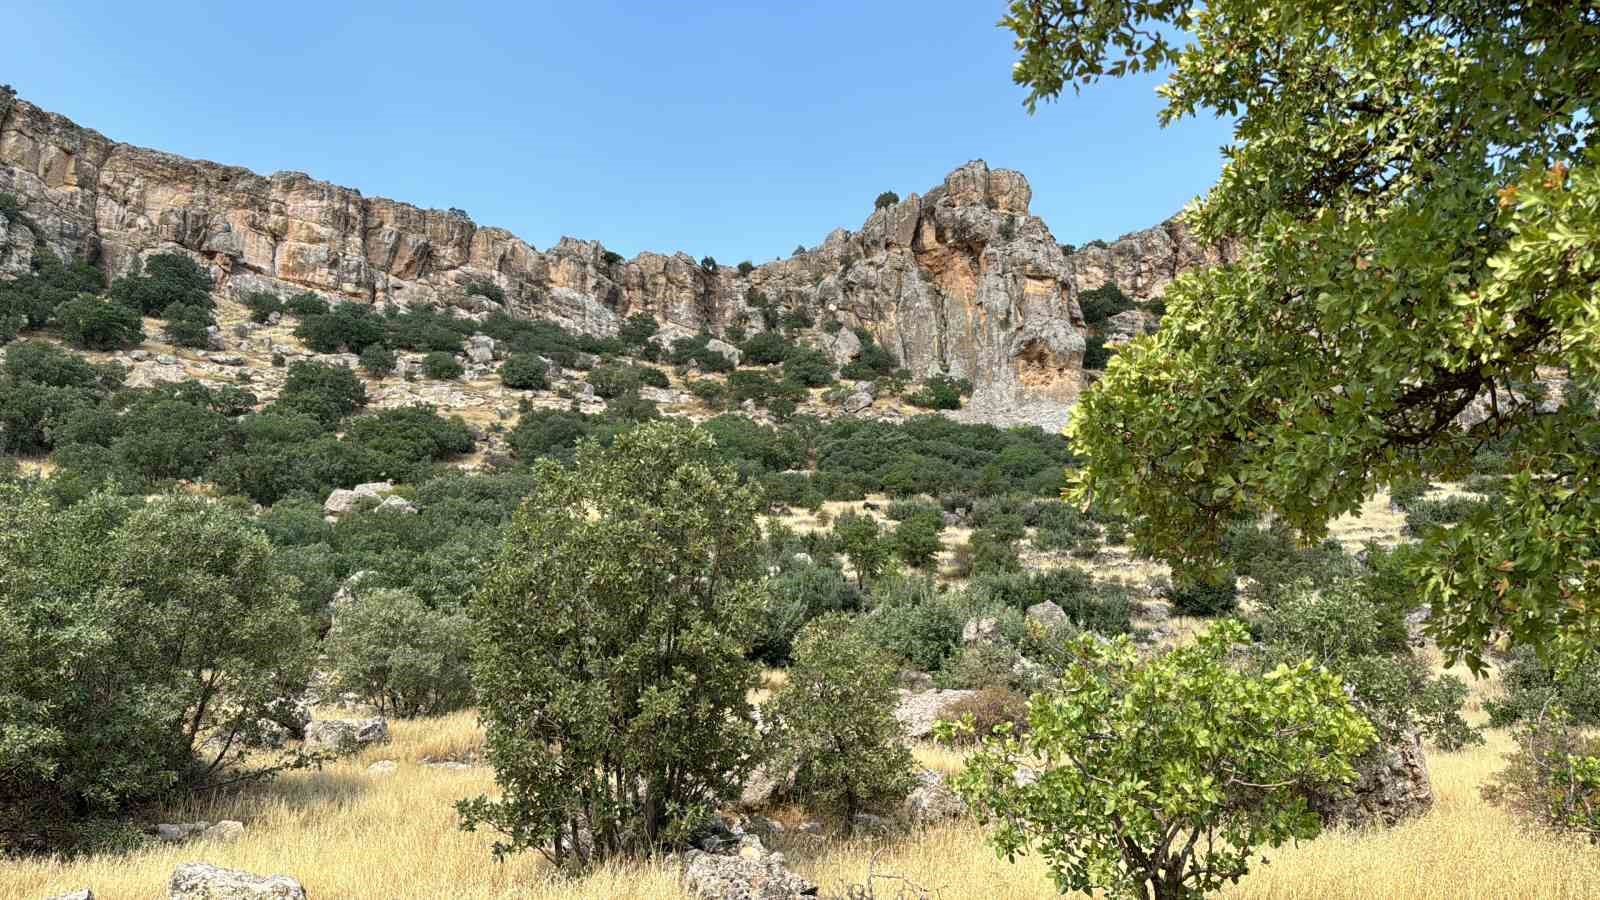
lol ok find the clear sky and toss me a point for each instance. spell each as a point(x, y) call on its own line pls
point(731, 129)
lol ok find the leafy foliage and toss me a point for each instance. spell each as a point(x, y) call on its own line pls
point(623, 717)
point(95, 324)
point(400, 656)
point(1388, 285)
point(835, 723)
point(162, 280)
point(1163, 777)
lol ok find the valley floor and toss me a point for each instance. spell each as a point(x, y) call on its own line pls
point(347, 832)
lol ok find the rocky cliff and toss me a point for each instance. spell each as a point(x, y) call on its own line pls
point(961, 280)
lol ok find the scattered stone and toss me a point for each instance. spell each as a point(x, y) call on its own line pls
point(224, 831)
point(858, 401)
point(202, 881)
point(1048, 615)
point(182, 831)
point(224, 359)
point(342, 502)
point(759, 788)
point(810, 826)
point(453, 765)
point(717, 345)
point(138, 355)
point(79, 894)
point(918, 711)
point(271, 734)
point(711, 876)
point(980, 631)
point(383, 767)
point(870, 823)
point(341, 734)
point(932, 801)
point(912, 680)
point(393, 504)
point(167, 359)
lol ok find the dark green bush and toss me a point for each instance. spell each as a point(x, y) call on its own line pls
point(187, 326)
point(165, 279)
point(327, 393)
point(940, 392)
point(798, 594)
point(886, 199)
point(808, 367)
point(442, 366)
point(638, 329)
point(306, 303)
point(1095, 352)
point(95, 324)
point(1103, 302)
point(1529, 684)
point(916, 621)
point(766, 349)
point(378, 360)
point(262, 304)
point(525, 371)
point(401, 656)
point(350, 327)
point(423, 329)
point(411, 433)
point(1205, 597)
point(488, 290)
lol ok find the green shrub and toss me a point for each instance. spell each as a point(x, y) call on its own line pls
point(638, 329)
point(884, 200)
point(1570, 679)
point(916, 538)
point(835, 724)
point(327, 393)
point(797, 595)
point(1553, 777)
point(916, 621)
point(695, 350)
point(940, 392)
point(1205, 597)
point(178, 633)
point(1095, 352)
point(712, 393)
point(442, 366)
point(1186, 723)
point(33, 297)
point(378, 360)
point(808, 367)
point(746, 267)
point(187, 326)
point(488, 290)
point(305, 304)
point(412, 433)
point(768, 348)
point(525, 372)
point(351, 327)
point(400, 656)
point(262, 305)
point(96, 324)
point(645, 682)
point(860, 539)
point(165, 279)
point(1424, 515)
point(1103, 302)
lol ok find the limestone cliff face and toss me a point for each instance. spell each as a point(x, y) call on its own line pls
point(961, 279)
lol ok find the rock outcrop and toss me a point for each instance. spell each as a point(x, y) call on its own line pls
point(1393, 785)
point(962, 280)
point(200, 881)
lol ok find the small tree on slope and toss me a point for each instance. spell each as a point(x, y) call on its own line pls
point(1161, 779)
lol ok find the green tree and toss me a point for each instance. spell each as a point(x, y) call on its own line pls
point(1417, 189)
point(378, 360)
point(139, 651)
point(1161, 778)
point(402, 657)
point(916, 538)
point(187, 326)
point(861, 540)
point(835, 725)
point(442, 366)
point(610, 668)
point(886, 199)
point(525, 371)
point(95, 324)
point(328, 393)
point(162, 280)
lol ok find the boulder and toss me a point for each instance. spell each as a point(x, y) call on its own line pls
point(383, 767)
point(393, 504)
point(932, 801)
point(341, 501)
point(710, 876)
point(858, 401)
point(980, 631)
point(1392, 786)
point(224, 831)
point(1048, 615)
point(79, 894)
point(717, 345)
point(172, 833)
point(918, 711)
point(202, 881)
point(340, 734)
point(844, 346)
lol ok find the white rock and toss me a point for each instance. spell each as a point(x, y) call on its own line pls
point(202, 881)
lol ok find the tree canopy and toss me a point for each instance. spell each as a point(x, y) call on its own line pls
point(1412, 194)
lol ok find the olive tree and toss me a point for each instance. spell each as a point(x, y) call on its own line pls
point(610, 665)
point(1414, 202)
point(1162, 778)
point(396, 653)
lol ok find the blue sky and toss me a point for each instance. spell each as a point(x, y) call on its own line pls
point(735, 130)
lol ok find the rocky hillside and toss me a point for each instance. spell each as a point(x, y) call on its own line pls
point(960, 280)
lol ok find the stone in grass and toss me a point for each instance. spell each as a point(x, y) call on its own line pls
point(202, 881)
point(346, 734)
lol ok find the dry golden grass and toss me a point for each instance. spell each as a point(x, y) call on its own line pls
point(345, 832)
